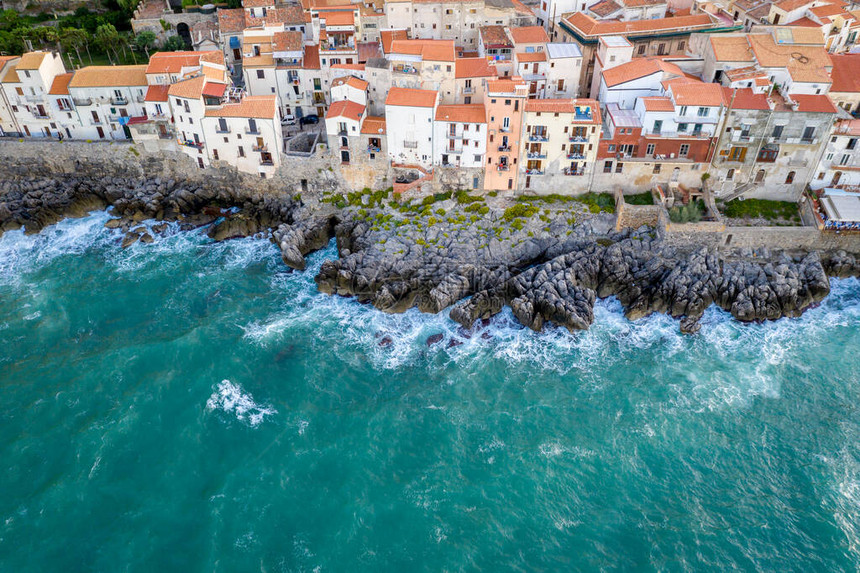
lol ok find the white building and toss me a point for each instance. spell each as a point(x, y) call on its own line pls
point(409, 115)
point(563, 71)
point(460, 136)
point(245, 134)
point(106, 98)
point(840, 164)
point(8, 122)
point(26, 86)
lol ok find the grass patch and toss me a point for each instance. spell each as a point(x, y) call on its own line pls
point(645, 198)
point(764, 208)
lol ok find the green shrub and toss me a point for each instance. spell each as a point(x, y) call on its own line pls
point(645, 198)
point(463, 198)
point(689, 213)
point(519, 210)
point(770, 210)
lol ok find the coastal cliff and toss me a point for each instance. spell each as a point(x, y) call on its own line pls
point(548, 262)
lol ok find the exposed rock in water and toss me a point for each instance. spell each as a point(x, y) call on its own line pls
point(129, 239)
point(146, 238)
point(306, 236)
point(434, 339)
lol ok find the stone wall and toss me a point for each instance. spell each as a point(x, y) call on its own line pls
point(782, 238)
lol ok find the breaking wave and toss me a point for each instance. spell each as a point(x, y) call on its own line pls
point(232, 399)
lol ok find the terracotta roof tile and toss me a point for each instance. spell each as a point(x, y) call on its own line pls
point(372, 125)
point(287, 42)
point(846, 73)
point(745, 98)
point(11, 76)
point(494, 36)
point(345, 108)
point(339, 18)
point(258, 107)
point(351, 81)
point(639, 68)
point(231, 21)
point(529, 35)
point(191, 88)
point(604, 8)
point(804, 63)
point(462, 113)
point(60, 86)
point(31, 60)
point(697, 93)
point(474, 68)
point(507, 85)
point(109, 76)
point(157, 93)
point(565, 106)
point(657, 103)
point(173, 62)
point(214, 89)
point(411, 97)
point(388, 36)
point(731, 48)
point(312, 57)
point(429, 50)
point(814, 103)
point(789, 5)
point(531, 57)
point(588, 26)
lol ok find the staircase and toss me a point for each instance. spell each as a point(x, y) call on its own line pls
point(738, 191)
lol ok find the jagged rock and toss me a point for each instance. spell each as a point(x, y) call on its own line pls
point(129, 239)
point(434, 338)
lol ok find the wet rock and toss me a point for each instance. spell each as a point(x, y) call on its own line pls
point(690, 325)
point(129, 239)
point(434, 339)
point(386, 341)
point(146, 238)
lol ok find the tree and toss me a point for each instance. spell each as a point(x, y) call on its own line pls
point(174, 44)
point(107, 38)
point(145, 40)
point(75, 38)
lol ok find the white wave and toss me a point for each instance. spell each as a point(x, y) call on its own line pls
point(230, 398)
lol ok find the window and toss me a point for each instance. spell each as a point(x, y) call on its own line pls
point(852, 143)
point(683, 110)
point(619, 167)
point(507, 102)
point(649, 150)
point(641, 50)
point(658, 126)
point(657, 167)
point(777, 131)
point(789, 178)
point(215, 154)
point(261, 74)
point(702, 112)
point(681, 46)
point(607, 166)
point(682, 127)
point(684, 150)
point(730, 174)
point(610, 148)
point(241, 151)
point(845, 159)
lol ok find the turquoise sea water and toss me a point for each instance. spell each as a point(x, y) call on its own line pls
point(192, 406)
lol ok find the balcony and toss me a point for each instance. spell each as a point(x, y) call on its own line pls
point(140, 98)
point(505, 129)
point(583, 116)
point(373, 149)
point(502, 167)
point(536, 155)
point(343, 133)
point(189, 143)
point(83, 101)
point(575, 156)
point(534, 171)
point(39, 115)
point(577, 139)
point(267, 162)
point(454, 150)
point(95, 121)
point(255, 131)
point(504, 149)
point(410, 145)
point(468, 91)
point(455, 135)
point(537, 137)
point(259, 148)
point(574, 172)
point(119, 101)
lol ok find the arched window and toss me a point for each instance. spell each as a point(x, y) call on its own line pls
point(790, 178)
point(759, 177)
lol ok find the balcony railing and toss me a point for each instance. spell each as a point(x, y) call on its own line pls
point(536, 155)
point(38, 115)
point(455, 135)
point(405, 70)
point(83, 101)
point(577, 139)
point(267, 162)
point(255, 131)
point(260, 147)
point(410, 145)
point(574, 172)
point(582, 117)
point(468, 91)
point(505, 129)
point(95, 120)
point(504, 149)
point(189, 143)
point(373, 149)
point(538, 137)
point(119, 101)
point(501, 167)
point(454, 150)
point(534, 171)
point(222, 130)
point(575, 156)
point(342, 133)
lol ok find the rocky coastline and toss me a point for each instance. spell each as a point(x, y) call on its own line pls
point(472, 254)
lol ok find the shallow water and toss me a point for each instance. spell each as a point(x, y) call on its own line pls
point(193, 406)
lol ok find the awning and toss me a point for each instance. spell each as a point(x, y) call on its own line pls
point(234, 42)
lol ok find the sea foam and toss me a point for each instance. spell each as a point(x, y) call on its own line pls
point(230, 398)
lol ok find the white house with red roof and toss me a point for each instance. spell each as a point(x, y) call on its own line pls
point(412, 111)
point(460, 136)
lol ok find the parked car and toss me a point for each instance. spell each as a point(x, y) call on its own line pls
point(309, 120)
point(289, 119)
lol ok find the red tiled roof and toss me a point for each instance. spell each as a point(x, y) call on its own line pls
point(259, 107)
point(214, 89)
point(173, 62)
point(745, 98)
point(312, 57)
point(339, 18)
point(411, 97)
point(846, 73)
point(345, 108)
point(231, 21)
point(494, 36)
point(60, 85)
point(462, 113)
point(432, 50)
point(657, 103)
point(474, 68)
point(814, 103)
point(529, 35)
point(588, 26)
point(351, 81)
point(156, 93)
point(368, 50)
point(638, 68)
point(388, 36)
point(372, 125)
point(697, 93)
point(531, 57)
